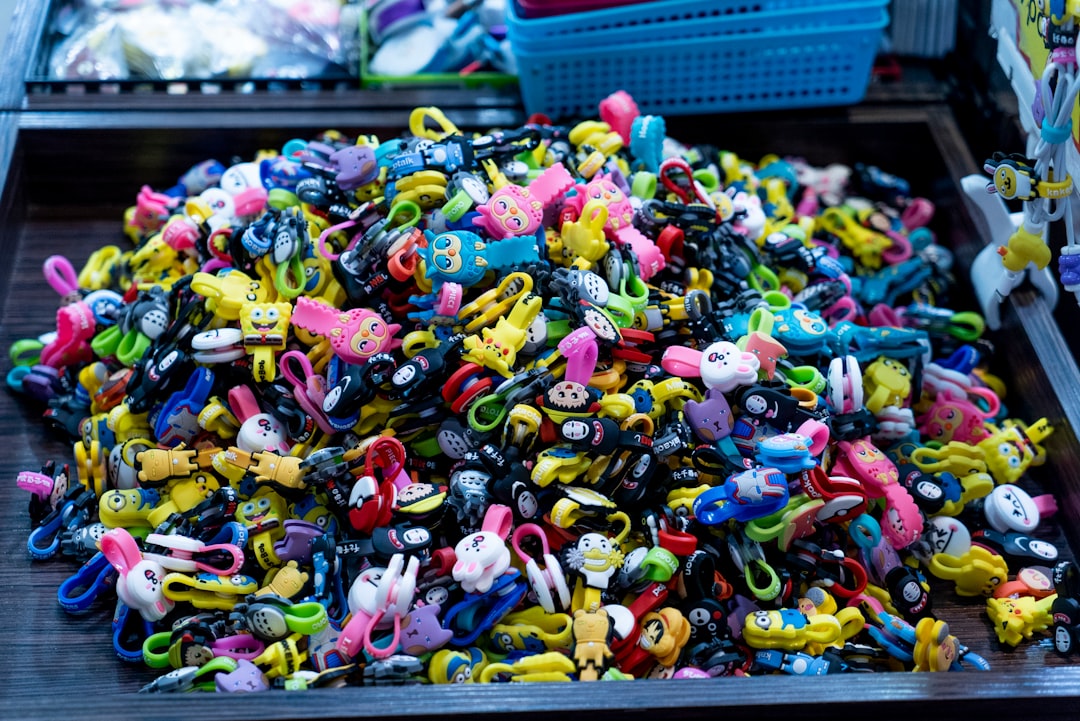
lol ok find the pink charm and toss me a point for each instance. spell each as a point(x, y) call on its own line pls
point(951, 418)
point(379, 599)
point(355, 335)
point(620, 226)
point(511, 211)
point(863, 461)
point(139, 585)
point(75, 326)
point(483, 556)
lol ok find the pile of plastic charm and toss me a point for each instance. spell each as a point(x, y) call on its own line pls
point(550, 403)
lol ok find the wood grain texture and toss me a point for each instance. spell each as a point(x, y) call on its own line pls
point(65, 194)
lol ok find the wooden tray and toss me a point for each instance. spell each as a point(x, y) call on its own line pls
point(72, 173)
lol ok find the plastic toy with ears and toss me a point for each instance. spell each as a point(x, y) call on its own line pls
point(888, 383)
point(379, 599)
point(863, 461)
point(258, 431)
point(355, 335)
point(227, 293)
point(157, 466)
point(497, 348)
point(548, 583)
point(483, 556)
point(139, 584)
point(952, 418)
point(936, 649)
point(721, 365)
point(592, 632)
point(515, 211)
point(976, 573)
point(584, 238)
point(1015, 619)
point(619, 226)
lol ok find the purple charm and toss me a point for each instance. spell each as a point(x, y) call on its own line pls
point(296, 546)
point(711, 419)
point(356, 167)
point(421, 631)
point(247, 678)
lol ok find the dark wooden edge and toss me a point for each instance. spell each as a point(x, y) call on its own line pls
point(1050, 695)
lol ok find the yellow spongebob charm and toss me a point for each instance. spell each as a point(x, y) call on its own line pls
point(265, 327)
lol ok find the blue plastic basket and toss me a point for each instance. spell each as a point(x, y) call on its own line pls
point(723, 70)
point(679, 19)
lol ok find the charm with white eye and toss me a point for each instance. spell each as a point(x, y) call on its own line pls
point(725, 367)
point(262, 432)
point(144, 592)
point(1011, 508)
point(481, 558)
point(363, 595)
point(222, 205)
point(240, 177)
point(596, 559)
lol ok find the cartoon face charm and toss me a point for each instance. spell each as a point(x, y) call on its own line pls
point(569, 397)
point(454, 257)
point(456, 667)
point(1010, 508)
point(953, 419)
point(262, 432)
point(355, 336)
point(888, 382)
point(265, 324)
point(802, 332)
point(947, 535)
point(620, 212)
point(263, 513)
point(511, 211)
point(760, 486)
point(596, 558)
point(139, 583)
point(421, 632)
point(711, 419)
point(481, 558)
point(725, 367)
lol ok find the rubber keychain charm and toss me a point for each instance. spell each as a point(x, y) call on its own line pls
point(516, 211)
point(355, 335)
point(619, 226)
point(258, 431)
point(265, 327)
point(140, 582)
point(378, 599)
point(548, 583)
point(722, 365)
point(483, 556)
